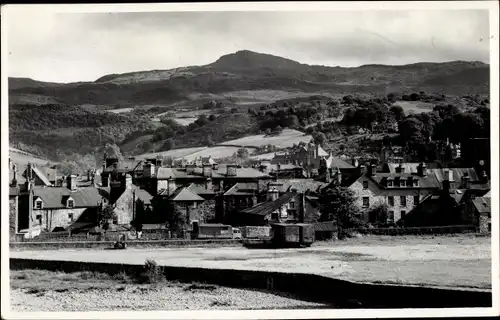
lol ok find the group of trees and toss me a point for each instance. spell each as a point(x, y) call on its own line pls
point(424, 134)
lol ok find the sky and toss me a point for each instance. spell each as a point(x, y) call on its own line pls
point(71, 47)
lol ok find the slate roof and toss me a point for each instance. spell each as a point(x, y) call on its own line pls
point(487, 195)
point(125, 165)
point(184, 194)
point(40, 175)
point(165, 173)
point(425, 182)
point(458, 173)
point(483, 205)
point(265, 208)
point(335, 162)
point(143, 195)
point(54, 197)
point(302, 185)
point(200, 189)
point(242, 189)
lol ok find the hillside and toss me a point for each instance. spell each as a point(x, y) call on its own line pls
point(247, 70)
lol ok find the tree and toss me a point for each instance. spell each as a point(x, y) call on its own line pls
point(108, 213)
point(398, 112)
point(113, 151)
point(379, 214)
point(212, 117)
point(202, 120)
point(319, 138)
point(169, 144)
point(391, 97)
point(338, 204)
point(267, 131)
point(242, 153)
point(209, 142)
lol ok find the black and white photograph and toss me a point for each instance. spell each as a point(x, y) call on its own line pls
point(250, 160)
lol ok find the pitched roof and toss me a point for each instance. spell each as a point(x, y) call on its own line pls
point(54, 197)
point(125, 165)
point(487, 195)
point(200, 189)
point(409, 166)
point(425, 182)
point(143, 195)
point(336, 162)
point(302, 185)
point(458, 173)
point(39, 174)
point(322, 152)
point(241, 172)
point(265, 208)
point(242, 188)
point(184, 194)
point(483, 205)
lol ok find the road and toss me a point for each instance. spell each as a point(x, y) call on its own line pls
point(435, 262)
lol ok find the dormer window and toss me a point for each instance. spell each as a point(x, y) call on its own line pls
point(402, 182)
point(70, 203)
point(38, 204)
point(415, 182)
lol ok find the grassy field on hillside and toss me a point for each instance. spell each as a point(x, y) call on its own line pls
point(283, 140)
point(414, 106)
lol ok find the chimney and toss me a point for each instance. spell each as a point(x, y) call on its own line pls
point(105, 181)
point(231, 170)
point(371, 170)
point(148, 170)
point(72, 182)
point(466, 181)
point(278, 168)
point(89, 175)
point(339, 177)
point(293, 190)
point(127, 181)
point(422, 169)
point(215, 166)
point(254, 200)
point(14, 178)
point(272, 192)
point(208, 184)
point(328, 175)
point(29, 172)
point(446, 186)
point(207, 170)
point(190, 168)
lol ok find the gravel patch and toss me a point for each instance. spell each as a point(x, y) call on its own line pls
point(165, 297)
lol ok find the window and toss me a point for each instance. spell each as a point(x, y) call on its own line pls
point(365, 184)
point(71, 203)
point(403, 201)
point(390, 199)
point(115, 219)
point(38, 204)
point(390, 217)
point(366, 202)
point(403, 214)
point(70, 216)
point(416, 200)
point(39, 218)
point(390, 183)
point(292, 205)
point(402, 182)
point(415, 182)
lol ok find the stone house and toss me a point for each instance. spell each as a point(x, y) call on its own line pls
point(401, 192)
point(482, 213)
point(57, 208)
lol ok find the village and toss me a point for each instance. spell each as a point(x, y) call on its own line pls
point(202, 199)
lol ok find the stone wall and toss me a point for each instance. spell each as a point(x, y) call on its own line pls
point(203, 211)
point(52, 218)
point(484, 223)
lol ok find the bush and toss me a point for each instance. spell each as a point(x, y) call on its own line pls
point(152, 272)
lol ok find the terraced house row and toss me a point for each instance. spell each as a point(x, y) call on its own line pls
point(285, 189)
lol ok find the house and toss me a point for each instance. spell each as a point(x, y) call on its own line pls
point(391, 154)
point(128, 200)
point(401, 192)
point(482, 212)
point(307, 156)
point(50, 208)
point(114, 170)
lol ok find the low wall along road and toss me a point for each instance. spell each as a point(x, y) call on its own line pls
point(343, 294)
